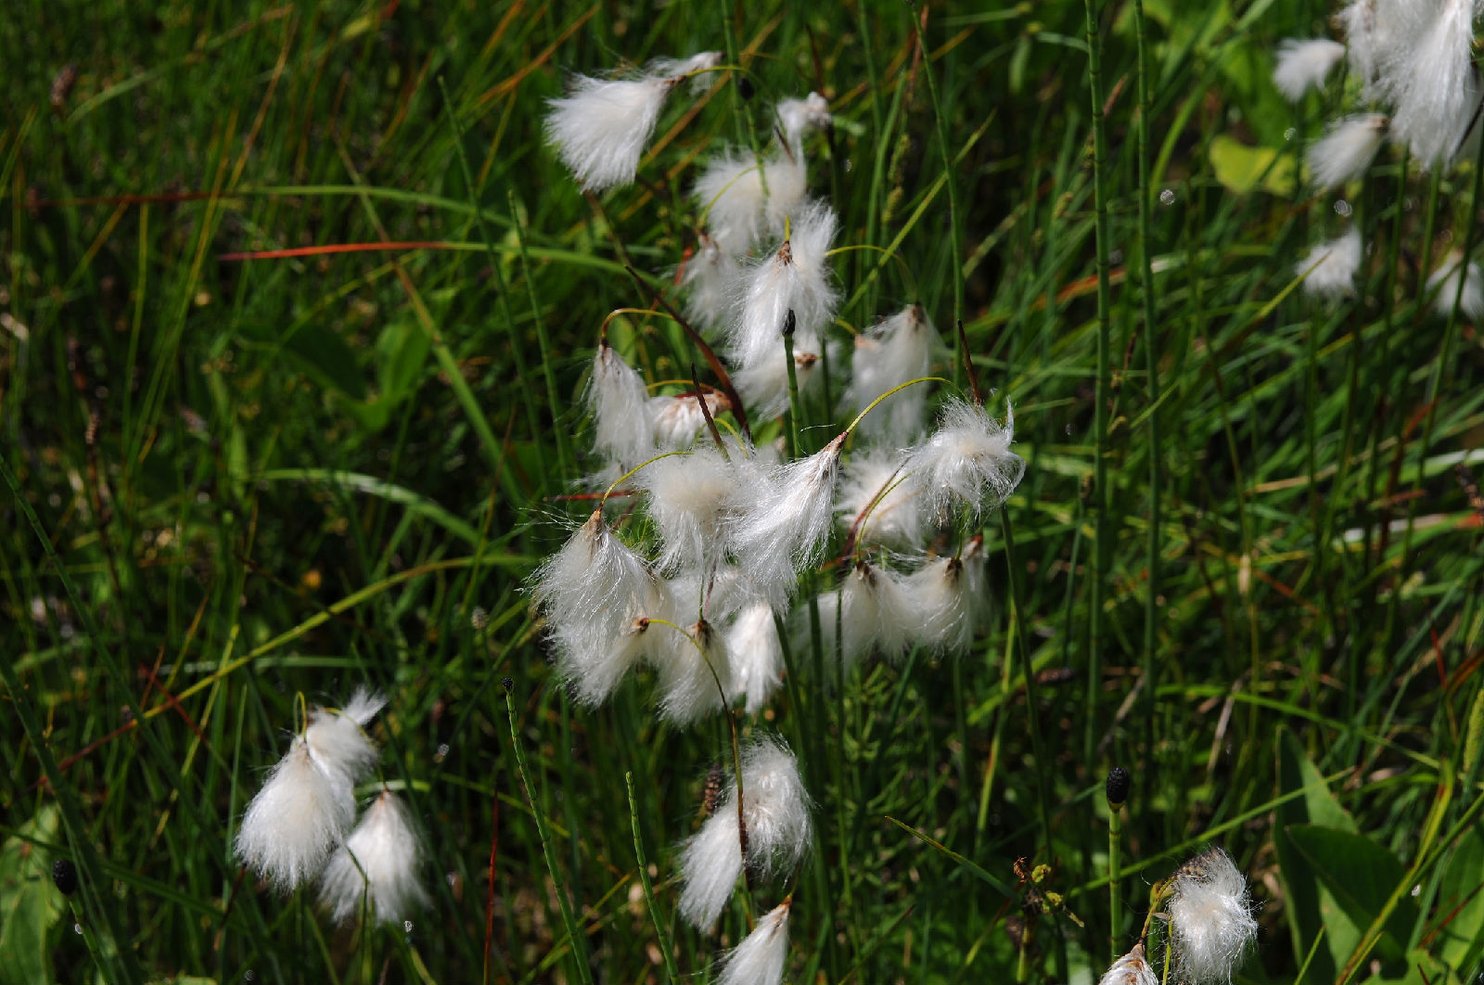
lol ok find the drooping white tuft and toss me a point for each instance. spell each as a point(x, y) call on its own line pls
point(338, 741)
point(678, 420)
point(710, 278)
point(742, 200)
point(760, 958)
point(1444, 281)
point(783, 528)
point(1329, 269)
point(376, 865)
point(302, 812)
point(1371, 30)
point(695, 670)
point(946, 597)
point(967, 459)
point(710, 863)
point(775, 809)
point(1431, 83)
point(1344, 153)
point(1304, 64)
point(1131, 969)
point(1211, 922)
point(757, 655)
point(879, 501)
point(691, 501)
point(593, 592)
point(870, 612)
point(601, 126)
point(898, 349)
point(790, 285)
point(775, 806)
point(796, 117)
point(619, 404)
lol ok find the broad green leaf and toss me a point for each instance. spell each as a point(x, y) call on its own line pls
point(30, 905)
point(401, 354)
point(1360, 876)
point(1460, 939)
point(1308, 900)
point(1422, 969)
point(1244, 169)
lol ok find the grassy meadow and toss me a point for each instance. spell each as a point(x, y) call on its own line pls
point(297, 309)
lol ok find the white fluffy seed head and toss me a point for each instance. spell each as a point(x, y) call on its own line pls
point(1211, 922)
point(619, 404)
point(775, 809)
point(967, 460)
point(592, 592)
point(868, 614)
point(796, 117)
point(695, 670)
point(784, 527)
point(793, 279)
point(691, 500)
point(775, 806)
point(677, 421)
point(601, 126)
point(743, 200)
point(760, 958)
point(337, 739)
point(946, 598)
point(1304, 65)
point(1131, 969)
point(880, 501)
point(1344, 153)
point(896, 350)
point(1431, 82)
point(710, 863)
point(757, 655)
point(377, 865)
point(1444, 281)
point(302, 812)
point(1329, 268)
point(1373, 29)
point(710, 279)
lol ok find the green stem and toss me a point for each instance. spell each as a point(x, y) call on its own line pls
point(1151, 366)
point(794, 409)
point(1102, 529)
point(956, 245)
point(1115, 902)
point(665, 946)
point(574, 932)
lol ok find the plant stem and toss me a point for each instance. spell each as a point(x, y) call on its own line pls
point(1148, 678)
point(1101, 498)
point(664, 944)
point(574, 932)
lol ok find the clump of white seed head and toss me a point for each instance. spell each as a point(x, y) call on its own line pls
point(1211, 923)
point(600, 128)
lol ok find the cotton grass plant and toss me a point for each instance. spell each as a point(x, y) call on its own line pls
point(796, 651)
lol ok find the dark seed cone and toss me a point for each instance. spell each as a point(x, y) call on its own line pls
point(1117, 787)
point(64, 874)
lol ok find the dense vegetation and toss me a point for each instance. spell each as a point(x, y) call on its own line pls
point(246, 460)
